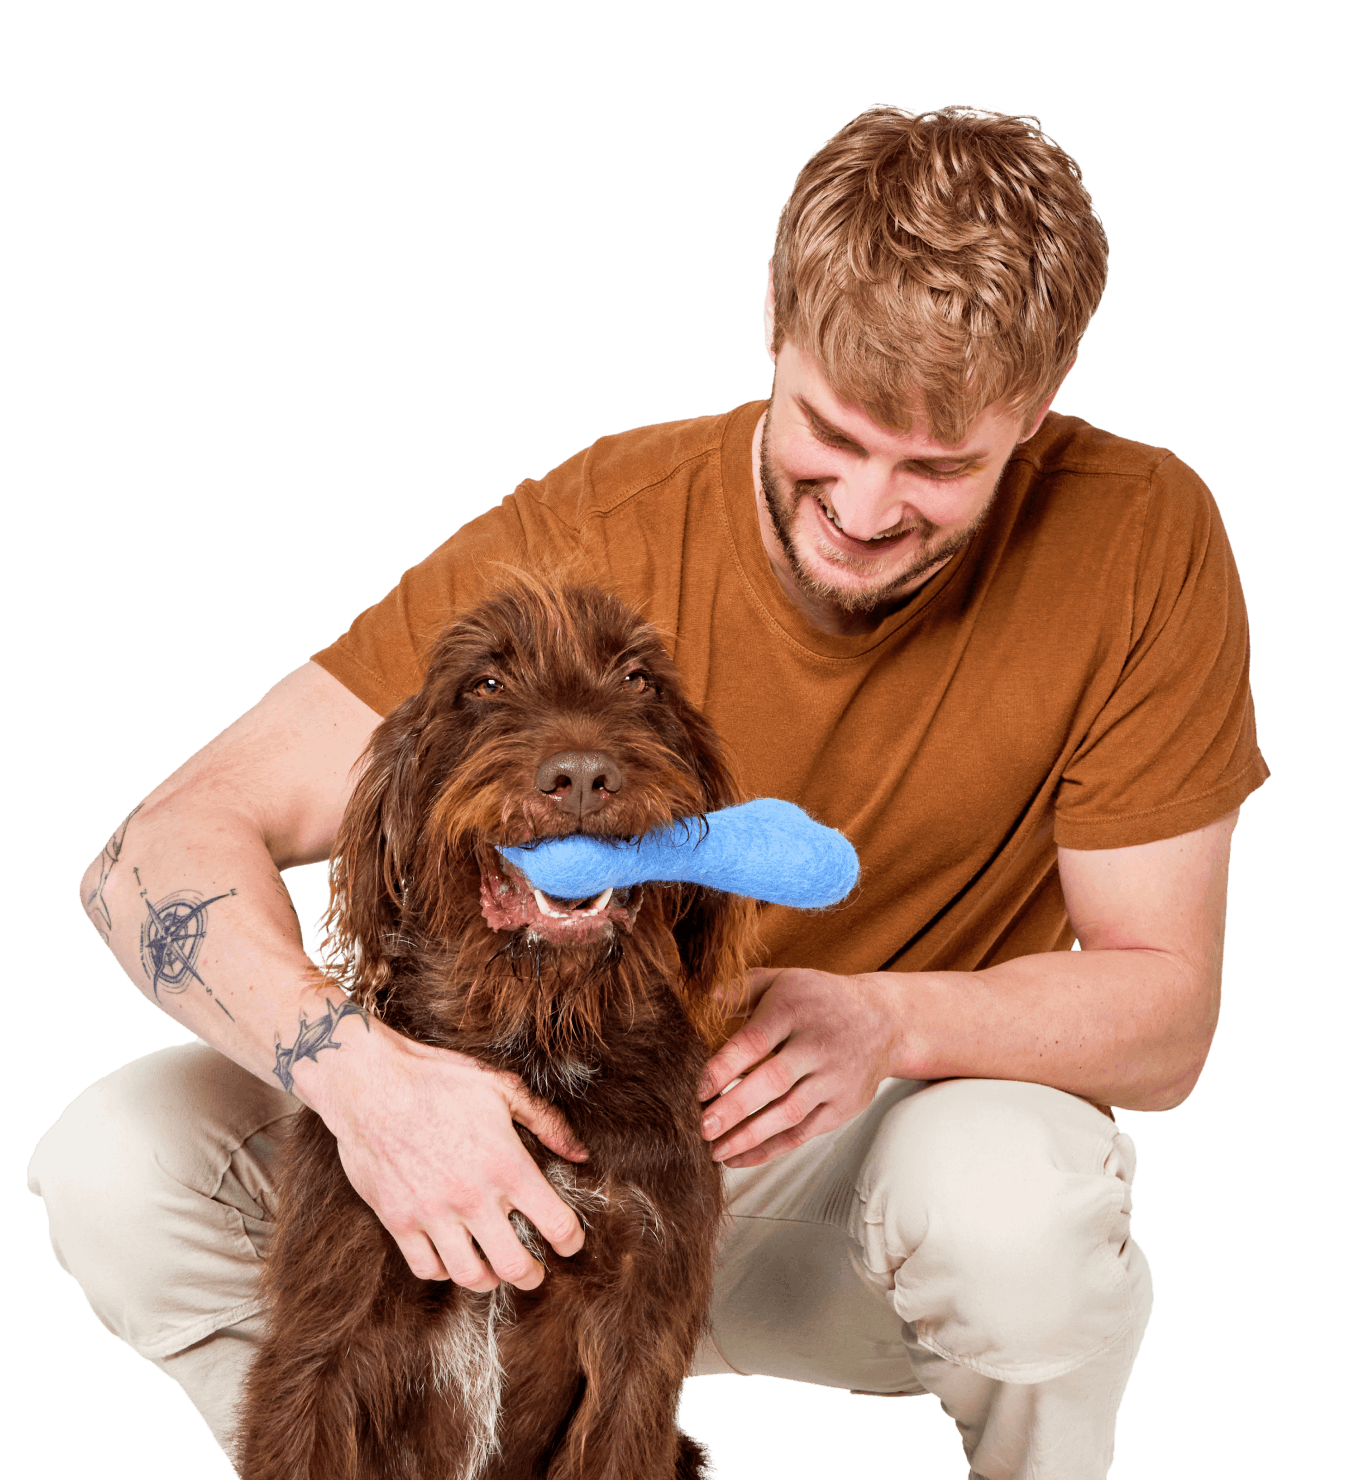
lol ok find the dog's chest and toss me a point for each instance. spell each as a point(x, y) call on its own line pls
point(640, 1089)
point(633, 1102)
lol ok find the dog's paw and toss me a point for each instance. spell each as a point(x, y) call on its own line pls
point(694, 1460)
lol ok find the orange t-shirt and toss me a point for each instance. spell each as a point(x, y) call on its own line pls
point(1077, 676)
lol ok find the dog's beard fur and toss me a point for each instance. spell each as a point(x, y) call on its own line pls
point(608, 1015)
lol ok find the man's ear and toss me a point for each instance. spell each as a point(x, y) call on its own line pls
point(769, 314)
point(1043, 410)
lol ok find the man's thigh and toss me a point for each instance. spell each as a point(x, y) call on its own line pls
point(158, 1185)
point(788, 1298)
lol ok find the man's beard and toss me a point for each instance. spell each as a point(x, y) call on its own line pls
point(861, 600)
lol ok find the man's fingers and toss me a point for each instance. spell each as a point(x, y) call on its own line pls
point(824, 1118)
point(548, 1124)
point(420, 1254)
point(762, 1086)
point(757, 1040)
point(508, 1257)
point(540, 1204)
point(740, 1053)
point(455, 1258)
point(458, 1255)
point(776, 1119)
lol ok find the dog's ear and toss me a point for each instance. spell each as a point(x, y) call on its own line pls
point(715, 933)
point(373, 857)
point(703, 753)
point(716, 938)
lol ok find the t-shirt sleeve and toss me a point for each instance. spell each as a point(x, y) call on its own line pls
point(1173, 746)
point(581, 524)
point(383, 657)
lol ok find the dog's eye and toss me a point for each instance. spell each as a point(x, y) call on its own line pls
point(637, 680)
point(488, 687)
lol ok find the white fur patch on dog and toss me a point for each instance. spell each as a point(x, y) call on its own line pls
point(467, 1368)
point(585, 1199)
point(578, 1196)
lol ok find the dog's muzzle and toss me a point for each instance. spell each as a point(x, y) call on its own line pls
point(511, 902)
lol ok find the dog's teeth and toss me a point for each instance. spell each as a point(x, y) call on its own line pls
point(541, 901)
point(595, 907)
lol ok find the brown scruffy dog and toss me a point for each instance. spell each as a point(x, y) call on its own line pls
point(546, 710)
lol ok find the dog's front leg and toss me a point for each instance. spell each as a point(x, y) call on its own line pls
point(370, 1402)
point(634, 1353)
point(348, 1347)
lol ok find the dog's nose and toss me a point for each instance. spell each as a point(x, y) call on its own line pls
point(581, 780)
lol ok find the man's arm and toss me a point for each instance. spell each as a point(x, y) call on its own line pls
point(1127, 1020)
point(188, 895)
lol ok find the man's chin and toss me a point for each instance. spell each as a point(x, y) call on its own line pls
point(861, 589)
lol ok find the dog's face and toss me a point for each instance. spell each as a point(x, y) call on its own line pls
point(568, 718)
point(546, 711)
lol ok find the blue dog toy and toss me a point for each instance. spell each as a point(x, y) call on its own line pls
point(767, 849)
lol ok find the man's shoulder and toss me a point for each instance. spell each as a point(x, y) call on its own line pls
point(1104, 481)
point(618, 467)
point(1081, 490)
point(1067, 444)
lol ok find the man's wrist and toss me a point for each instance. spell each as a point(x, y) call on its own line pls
point(912, 1003)
point(329, 1051)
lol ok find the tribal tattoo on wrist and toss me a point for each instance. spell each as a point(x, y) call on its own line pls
point(312, 1038)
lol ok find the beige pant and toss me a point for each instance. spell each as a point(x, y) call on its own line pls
point(968, 1239)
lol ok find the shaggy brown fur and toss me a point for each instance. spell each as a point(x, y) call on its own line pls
point(367, 1371)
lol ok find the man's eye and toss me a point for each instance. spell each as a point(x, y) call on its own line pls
point(488, 686)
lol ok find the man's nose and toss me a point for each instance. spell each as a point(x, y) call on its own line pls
point(866, 502)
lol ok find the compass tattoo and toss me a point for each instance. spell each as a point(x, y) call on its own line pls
point(95, 907)
point(172, 937)
point(312, 1038)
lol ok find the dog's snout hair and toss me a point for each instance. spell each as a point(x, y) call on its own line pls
point(546, 710)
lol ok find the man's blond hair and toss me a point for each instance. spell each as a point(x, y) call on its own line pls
point(948, 260)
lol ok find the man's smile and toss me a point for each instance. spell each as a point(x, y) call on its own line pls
point(878, 547)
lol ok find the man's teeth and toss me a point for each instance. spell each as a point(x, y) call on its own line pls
point(596, 906)
point(873, 538)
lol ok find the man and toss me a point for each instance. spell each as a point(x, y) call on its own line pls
point(1006, 653)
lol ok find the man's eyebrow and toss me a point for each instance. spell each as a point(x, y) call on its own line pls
point(827, 432)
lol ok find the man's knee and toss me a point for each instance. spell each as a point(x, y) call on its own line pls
point(148, 1191)
point(171, 1118)
point(997, 1215)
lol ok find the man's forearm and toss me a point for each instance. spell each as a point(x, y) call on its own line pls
point(1125, 1021)
point(1120, 1027)
point(186, 895)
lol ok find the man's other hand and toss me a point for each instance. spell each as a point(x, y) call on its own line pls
point(813, 1052)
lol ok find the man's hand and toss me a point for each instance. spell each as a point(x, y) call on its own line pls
point(815, 1049)
point(427, 1138)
